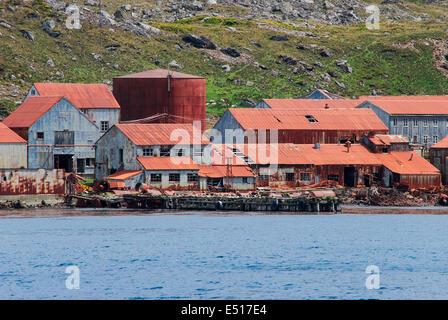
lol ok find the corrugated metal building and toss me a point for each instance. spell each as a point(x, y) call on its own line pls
point(293, 165)
point(386, 143)
point(297, 126)
point(438, 156)
point(181, 96)
point(13, 149)
point(307, 104)
point(95, 100)
point(59, 135)
point(422, 120)
point(119, 148)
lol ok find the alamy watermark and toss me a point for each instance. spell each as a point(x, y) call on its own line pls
point(373, 280)
point(73, 281)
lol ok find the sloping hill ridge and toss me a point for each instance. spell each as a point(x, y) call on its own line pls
point(250, 49)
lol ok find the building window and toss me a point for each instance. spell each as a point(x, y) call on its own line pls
point(174, 177)
point(416, 122)
point(305, 177)
point(447, 123)
point(120, 153)
point(405, 122)
point(290, 177)
point(40, 136)
point(311, 119)
point(415, 140)
point(148, 152)
point(180, 153)
point(156, 177)
point(425, 139)
point(334, 177)
point(395, 122)
point(435, 123)
point(435, 139)
point(263, 177)
point(104, 126)
point(192, 177)
point(425, 123)
point(90, 162)
point(165, 151)
point(245, 180)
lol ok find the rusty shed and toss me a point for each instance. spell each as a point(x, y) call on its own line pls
point(181, 96)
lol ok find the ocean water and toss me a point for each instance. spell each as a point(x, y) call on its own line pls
point(210, 255)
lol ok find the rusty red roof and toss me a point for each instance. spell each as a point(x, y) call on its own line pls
point(30, 111)
point(311, 104)
point(83, 96)
point(401, 162)
point(407, 163)
point(442, 144)
point(160, 73)
point(167, 163)
point(405, 98)
point(387, 139)
point(148, 134)
point(411, 107)
point(9, 136)
point(332, 119)
point(124, 175)
point(221, 171)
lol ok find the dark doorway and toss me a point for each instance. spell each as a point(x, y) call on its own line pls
point(80, 165)
point(367, 180)
point(64, 161)
point(349, 176)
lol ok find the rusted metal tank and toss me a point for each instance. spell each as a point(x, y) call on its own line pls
point(181, 96)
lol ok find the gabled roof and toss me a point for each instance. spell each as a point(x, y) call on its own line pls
point(332, 119)
point(311, 104)
point(412, 107)
point(9, 136)
point(160, 74)
point(401, 162)
point(124, 175)
point(407, 163)
point(405, 98)
point(307, 154)
point(222, 154)
point(83, 96)
point(442, 144)
point(167, 163)
point(148, 134)
point(221, 171)
point(324, 93)
point(387, 139)
point(30, 111)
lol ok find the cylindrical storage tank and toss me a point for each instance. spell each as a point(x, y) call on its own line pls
point(181, 96)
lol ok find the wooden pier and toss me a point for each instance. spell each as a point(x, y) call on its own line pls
point(211, 203)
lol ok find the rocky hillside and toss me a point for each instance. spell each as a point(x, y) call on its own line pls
point(247, 49)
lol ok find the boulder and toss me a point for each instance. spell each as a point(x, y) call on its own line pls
point(231, 52)
point(199, 42)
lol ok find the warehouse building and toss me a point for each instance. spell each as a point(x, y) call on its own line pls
point(95, 100)
point(13, 149)
point(423, 121)
point(59, 135)
point(296, 126)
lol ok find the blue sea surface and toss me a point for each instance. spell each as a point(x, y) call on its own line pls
point(224, 256)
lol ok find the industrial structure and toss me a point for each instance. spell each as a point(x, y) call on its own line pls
point(307, 104)
point(95, 100)
point(181, 97)
point(438, 156)
point(120, 147)
point(13, 149)
point(322, 94)
point(422, 120)
point(59, 135)
point(297, 126)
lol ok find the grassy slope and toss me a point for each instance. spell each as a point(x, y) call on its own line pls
point(376, 64)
